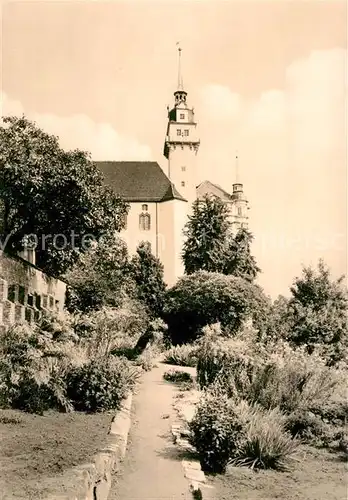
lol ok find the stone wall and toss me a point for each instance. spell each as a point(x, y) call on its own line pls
point(25, 291)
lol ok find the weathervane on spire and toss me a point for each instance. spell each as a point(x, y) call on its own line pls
point(180, 80)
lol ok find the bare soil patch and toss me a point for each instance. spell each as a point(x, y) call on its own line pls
point(318, 475)
point(36, 450)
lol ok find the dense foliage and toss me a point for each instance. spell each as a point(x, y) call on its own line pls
point(270, 393)
point(101, 277)
point(315, 315)
point(56, 197)
point(226, 432)
point(217, 432)
point(67, 363)
point(203, 298)
point(100, 384)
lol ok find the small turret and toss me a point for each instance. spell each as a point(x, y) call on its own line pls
point(240, 204)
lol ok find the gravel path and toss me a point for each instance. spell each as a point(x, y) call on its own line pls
point(152, 468)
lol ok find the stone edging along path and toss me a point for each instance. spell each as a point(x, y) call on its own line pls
point(93, 481)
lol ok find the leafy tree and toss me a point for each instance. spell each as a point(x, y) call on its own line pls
point(207, 232)
point(317, 312)
point(56, 196)
point(101, 277)
point(278, 325)
point(239, 260)
point(147, 272)
point(210, 245)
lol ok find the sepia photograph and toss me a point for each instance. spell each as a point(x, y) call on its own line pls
point(173, 250)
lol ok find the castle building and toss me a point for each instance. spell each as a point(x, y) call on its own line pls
point(161, 198)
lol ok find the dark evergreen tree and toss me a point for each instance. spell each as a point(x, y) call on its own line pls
point(210, 245)
point(239, 261)
point(147, 272)
point(207, 234)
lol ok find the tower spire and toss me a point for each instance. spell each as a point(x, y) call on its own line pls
point(180, 79)
point(237, 168)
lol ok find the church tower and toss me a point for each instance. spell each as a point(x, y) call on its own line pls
point(181, 143)
point(239, 204)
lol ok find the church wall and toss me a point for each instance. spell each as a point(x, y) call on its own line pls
point(166, 240)
point(133, 235)
point(172, 217)
point(180, 219)
point(165, 235)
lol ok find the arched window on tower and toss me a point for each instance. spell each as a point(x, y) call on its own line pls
point(239, 210)
point(144, 222)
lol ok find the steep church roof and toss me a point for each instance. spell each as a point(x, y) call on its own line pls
point(207, 187)
point(138, 181)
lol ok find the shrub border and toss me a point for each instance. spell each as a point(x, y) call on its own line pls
point(93, 481)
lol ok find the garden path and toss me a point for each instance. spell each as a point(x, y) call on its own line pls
point(152, 468)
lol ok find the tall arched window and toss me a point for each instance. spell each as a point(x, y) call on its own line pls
point(144, 222)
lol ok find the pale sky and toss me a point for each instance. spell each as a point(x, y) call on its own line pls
point(266, 78)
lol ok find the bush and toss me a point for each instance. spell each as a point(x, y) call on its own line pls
point(291, 379)
point(109, 330)
point(305, 424)
point(277, 377)
point(33, 368)
point(177, 376)
point(216, 431)
point(47, 365)
point(224, 432)
point(334, 411)
point(205, 298)
point(230, 363)
point(100, 384)
point(183, 355)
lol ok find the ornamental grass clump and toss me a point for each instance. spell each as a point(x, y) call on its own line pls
point(182, 355)
point(266, 444)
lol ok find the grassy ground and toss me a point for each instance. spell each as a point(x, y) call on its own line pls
point(318, 475)
point(34, 449)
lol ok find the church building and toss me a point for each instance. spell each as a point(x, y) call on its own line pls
point(161, 197)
